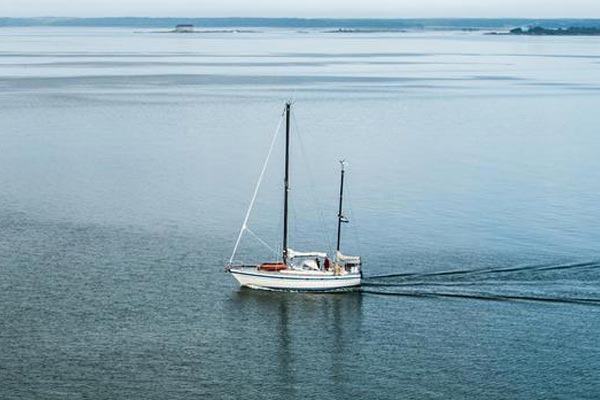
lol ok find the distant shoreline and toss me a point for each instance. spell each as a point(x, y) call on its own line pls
point(341, 24)
point(543, 31)
point(571, 31)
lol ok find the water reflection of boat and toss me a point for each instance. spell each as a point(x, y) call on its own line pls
point(298, 271)
point(300, 342)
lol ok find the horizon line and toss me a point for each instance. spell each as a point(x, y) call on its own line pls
point(300, 18)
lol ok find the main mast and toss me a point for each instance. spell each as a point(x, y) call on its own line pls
point(341, 217)
point(286, 181)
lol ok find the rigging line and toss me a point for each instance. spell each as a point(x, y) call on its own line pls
point(261, 241)
point(293, 223)
point(260, 178)
point(315, 198)
point(279, 228)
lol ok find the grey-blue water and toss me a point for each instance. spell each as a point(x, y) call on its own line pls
point(128, 160)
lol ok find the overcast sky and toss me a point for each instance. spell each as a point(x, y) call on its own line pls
point(303, 8)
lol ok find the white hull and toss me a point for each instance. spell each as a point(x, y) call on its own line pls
point(294, 280)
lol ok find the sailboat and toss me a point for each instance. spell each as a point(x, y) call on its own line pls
point(298, 271)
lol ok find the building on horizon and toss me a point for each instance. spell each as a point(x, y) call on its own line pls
point(184, 28)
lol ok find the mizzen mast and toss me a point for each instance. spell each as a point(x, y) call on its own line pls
point(341, 217)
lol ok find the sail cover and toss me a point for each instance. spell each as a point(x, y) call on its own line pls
point(347, 259)
point(293, 254)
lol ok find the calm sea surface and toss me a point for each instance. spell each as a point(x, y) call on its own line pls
point(128, 160)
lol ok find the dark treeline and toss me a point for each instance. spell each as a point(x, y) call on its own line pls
point(570, 31)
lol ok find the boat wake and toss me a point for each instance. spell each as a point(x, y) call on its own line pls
point(485, 271)
point(572, 283)
point(486, 296)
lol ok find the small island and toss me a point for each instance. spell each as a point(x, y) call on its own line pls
point(540, 31)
